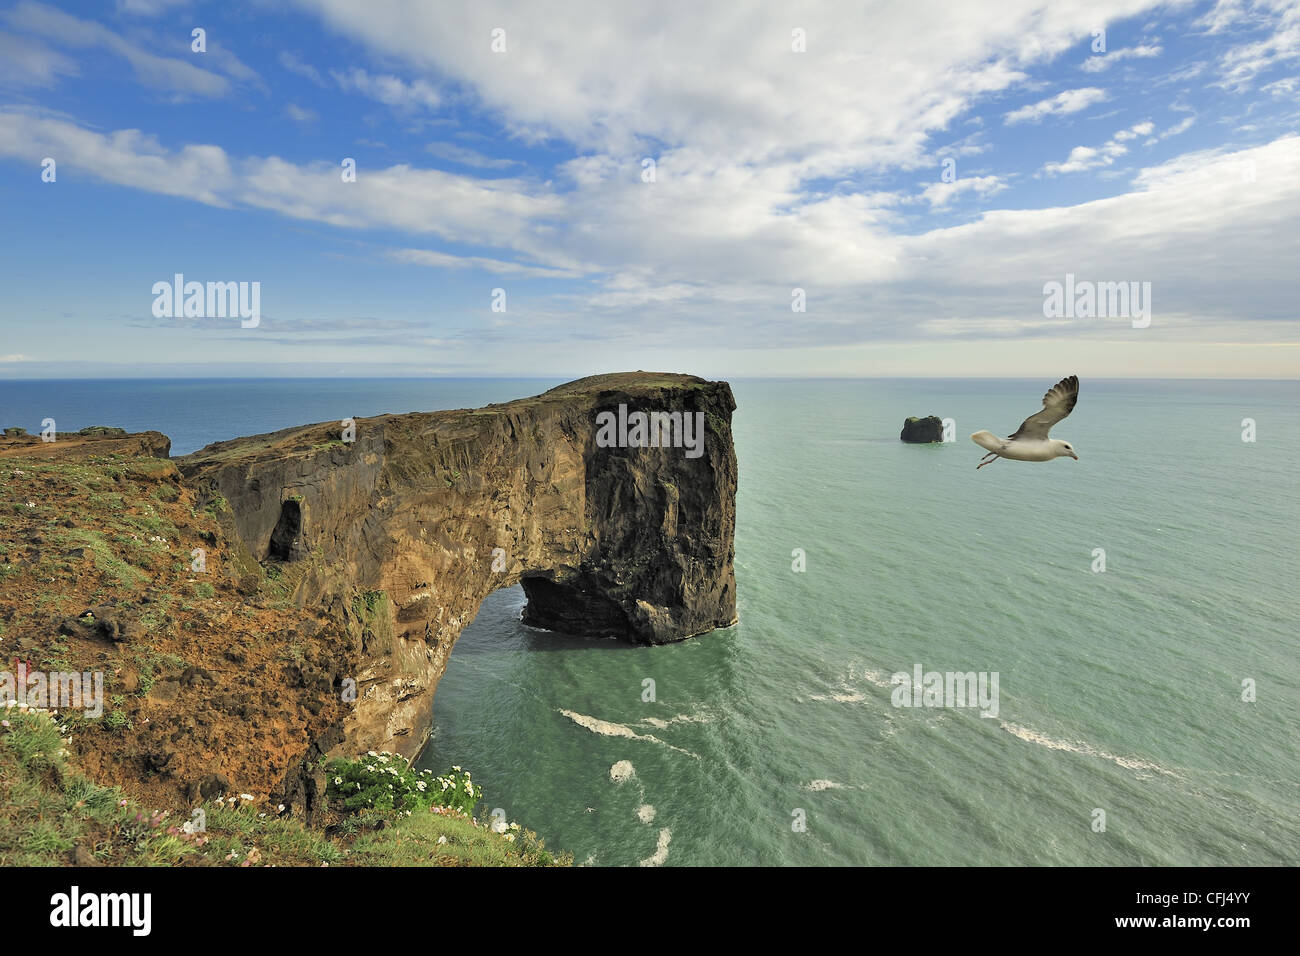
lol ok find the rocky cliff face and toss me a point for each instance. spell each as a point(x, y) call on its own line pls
point(404, 530)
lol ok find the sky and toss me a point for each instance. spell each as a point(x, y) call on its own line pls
point(730, 190)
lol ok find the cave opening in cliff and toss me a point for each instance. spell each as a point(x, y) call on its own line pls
point(556, 606)
point(288, 530)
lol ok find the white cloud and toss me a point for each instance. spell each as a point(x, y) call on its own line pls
point(1178, 216)
point(389, 90)
point(940, 195)
point(745, 133)
point(442, 260)
point(158, 72)
point(15, 357)
point(1062, 104)
point(727, 87)
point(461, 208)
point(294, 64)
point(1083, 158)
point(147, 8)
point(1243, 62)
point(467, 157)
point(1133, 132)
point(1102, 61)
point(300, 114)
point(1182, 126)
point(125, 157)
point(28, 62)
point(1080, 158)
point(732, 242)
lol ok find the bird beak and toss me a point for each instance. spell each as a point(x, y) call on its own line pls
point(1074, 456)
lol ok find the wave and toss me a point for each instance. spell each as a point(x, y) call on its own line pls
point(845, 689)
point(608, 728)
point(1080, 747)
point(872, 676)
point(661, 849)
point(851, 697)
point(658, 723)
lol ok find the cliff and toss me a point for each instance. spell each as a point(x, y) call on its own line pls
point(337, 574)
point(405, 529)
point(97, 440)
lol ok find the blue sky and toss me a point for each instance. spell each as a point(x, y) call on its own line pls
point(1171, 157)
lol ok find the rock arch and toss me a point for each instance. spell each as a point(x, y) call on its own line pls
point(632, 541)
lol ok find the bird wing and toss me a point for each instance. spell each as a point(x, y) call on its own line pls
point(1057, 403)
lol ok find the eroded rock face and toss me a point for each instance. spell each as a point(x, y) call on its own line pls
point(922, 430)
point(405, 530)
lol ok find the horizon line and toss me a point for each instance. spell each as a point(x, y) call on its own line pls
point(573, 378)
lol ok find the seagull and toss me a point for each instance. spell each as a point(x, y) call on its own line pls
point(1030, 442)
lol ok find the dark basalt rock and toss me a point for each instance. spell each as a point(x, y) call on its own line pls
point(920, 431)
point(406, 530)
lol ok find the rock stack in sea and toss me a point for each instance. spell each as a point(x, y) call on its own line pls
point(920, 431)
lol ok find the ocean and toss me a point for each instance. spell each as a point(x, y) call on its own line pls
point(1146, 713)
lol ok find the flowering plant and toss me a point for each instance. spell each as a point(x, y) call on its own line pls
point(384, 781)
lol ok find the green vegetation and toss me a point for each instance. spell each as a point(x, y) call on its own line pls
point(156, 616)
point(166, 492)
point(373, 615)
point(51, 814)
point(383, 781)
point(151, 664)
point(116, 571)
point(150, 469)
point(434, 814)
point(446, 839)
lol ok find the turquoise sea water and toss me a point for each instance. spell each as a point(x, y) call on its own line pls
point(1120, 691)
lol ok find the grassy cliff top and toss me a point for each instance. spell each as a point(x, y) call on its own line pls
point(304, 440)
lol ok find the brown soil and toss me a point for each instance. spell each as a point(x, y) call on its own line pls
point(211, 679)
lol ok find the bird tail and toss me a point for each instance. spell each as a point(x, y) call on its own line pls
point(987, 440)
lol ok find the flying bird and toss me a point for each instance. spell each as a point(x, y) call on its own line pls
point(1030, 442)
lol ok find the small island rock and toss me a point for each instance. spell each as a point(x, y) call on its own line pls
point(922, 430)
